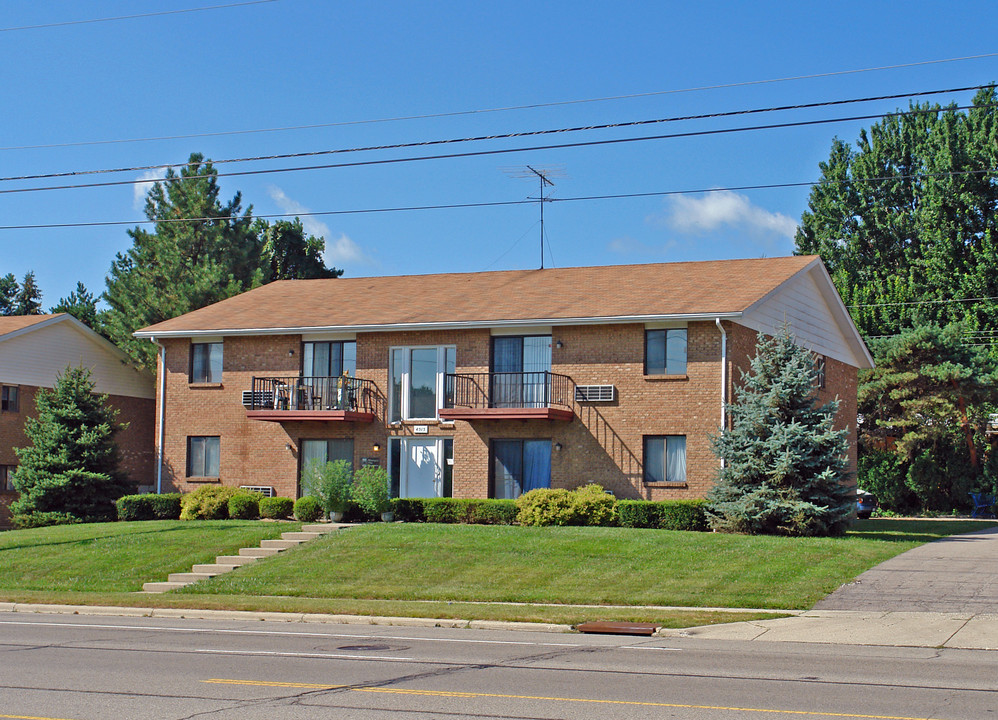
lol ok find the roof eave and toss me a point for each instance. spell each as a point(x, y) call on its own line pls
point(467, 325)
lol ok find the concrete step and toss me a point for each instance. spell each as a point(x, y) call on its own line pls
point(258, 552)
point(301, 536)
point(235, 559)
point(161, 587)
point(187, 577)
point(323, 527)
point(278, 544)
point(216, 569)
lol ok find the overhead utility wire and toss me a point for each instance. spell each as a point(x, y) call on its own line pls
point(482, 153)
point(922, 302)
point(505, 136)
point(500, 203)
point(133, 17)
point(497, 109)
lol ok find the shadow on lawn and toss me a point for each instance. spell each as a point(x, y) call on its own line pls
point(87, 541)
point(913, 530)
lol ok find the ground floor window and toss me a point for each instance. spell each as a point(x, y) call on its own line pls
point(519, 466)
point(9, 398)
point(664, 458)
point(328, 450)
point(7, 477)
point(203, 454)
point(421, 467)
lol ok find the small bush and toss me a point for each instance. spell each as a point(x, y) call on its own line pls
point(165, 506)
point(664, 515)
point(276, 508)
point(209, 502)
point(245, 505)
point(493, 512)
point(308, 508)
point(43, 519)
point(588, 505)
point(330, 483)
point(409, 509)
point(446, 510)
point(134, 507)
point(370, 490)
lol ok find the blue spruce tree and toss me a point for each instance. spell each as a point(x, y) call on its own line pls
point(785, 468)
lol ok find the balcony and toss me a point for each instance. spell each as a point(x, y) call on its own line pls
point(288, 399)
point(508, 396)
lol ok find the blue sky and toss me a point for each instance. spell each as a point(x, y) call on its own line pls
point(297, 62)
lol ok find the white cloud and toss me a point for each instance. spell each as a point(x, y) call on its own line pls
point(338, 252)
point(713, 210)
point(140, 189)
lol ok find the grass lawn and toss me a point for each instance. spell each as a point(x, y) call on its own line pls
point(455, 571)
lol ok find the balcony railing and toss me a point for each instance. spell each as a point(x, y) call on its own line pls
point(508, 390)
point(311, 393)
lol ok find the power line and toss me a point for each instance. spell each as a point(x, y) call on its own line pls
point(923, 302)
point(133, 17)
point(531, 106)
point(482, 153)
point(501, 203)
point(506, 136)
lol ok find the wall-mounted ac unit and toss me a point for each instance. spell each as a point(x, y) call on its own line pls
point(262, 489)
point(594, 393)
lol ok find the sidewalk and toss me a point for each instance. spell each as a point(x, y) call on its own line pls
point(943, 594)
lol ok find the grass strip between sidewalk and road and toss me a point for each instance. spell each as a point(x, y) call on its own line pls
point(456, 571)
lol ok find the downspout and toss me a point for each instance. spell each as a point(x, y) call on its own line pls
point(724, 374)
point(161, 411)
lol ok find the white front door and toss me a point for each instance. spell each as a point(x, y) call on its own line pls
point(422, 469)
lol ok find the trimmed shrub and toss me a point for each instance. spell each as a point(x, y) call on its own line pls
point(209, 502)
point(588, 505)
point(276, 508)
point(664, 515)
point(43, 519)
point(493, 512)
point(134, 507)
point(446, 510)
point(409, 509)
point(308, 508)
point(165, 506)
point(245, 505)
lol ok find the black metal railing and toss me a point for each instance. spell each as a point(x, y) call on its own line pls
point(508, 390)
point(311, 393)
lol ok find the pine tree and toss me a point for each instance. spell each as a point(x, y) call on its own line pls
point(82, 305)
point(29, 298)
point(8, 291)
point(785, 466)
point(291, 254)
point(69, 472)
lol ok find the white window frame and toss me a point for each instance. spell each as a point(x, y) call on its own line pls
point(406, 377)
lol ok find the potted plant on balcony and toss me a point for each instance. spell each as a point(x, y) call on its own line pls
point(370, 492)
point(331, 483)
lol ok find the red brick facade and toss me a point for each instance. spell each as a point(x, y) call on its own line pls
point(136, 442)
point(603, 442)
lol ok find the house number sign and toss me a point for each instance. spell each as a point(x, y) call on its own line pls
point(420, 429)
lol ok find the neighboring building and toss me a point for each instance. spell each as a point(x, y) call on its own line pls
point(488, 384)
point(34, 351)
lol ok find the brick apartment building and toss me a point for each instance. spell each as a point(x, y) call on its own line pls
point(488, 384)
point(34, 350)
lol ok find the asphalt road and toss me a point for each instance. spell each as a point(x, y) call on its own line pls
point(88, 668)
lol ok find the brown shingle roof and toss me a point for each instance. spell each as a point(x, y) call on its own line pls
point(12, 323)
point(720, 286)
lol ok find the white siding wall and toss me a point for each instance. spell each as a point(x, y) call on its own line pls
point(37, 357)
point(801, 303)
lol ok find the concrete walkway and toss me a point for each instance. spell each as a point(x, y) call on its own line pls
point(943, 594)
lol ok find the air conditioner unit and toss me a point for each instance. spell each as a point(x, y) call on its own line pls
point(262, 489)
point(594, 393)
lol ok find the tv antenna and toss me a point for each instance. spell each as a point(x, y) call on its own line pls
point(543, 175)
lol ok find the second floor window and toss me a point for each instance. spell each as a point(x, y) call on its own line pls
point(206, 362)
point(329, 359)
point(417, 374)
point(665, 352)
point(9, 399)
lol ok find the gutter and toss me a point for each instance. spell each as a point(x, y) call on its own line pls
point(161, 412)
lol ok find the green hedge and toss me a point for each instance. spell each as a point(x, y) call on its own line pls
point(308, 509)
point(149, 507)
point(664, 514)
point(245, 505)
point(588, 505)
point(276, 508)
point(468, 511)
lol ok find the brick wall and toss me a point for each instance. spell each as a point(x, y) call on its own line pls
point(136, 443)
point(603, 443)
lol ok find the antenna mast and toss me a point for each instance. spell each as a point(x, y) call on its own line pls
point(544, 181)
point(544, 175)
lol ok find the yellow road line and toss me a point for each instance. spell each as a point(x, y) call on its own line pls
point(461, 694)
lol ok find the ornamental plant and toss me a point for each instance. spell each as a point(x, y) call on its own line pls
point(785, 468)
point(370, 490)
point(330, 483)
